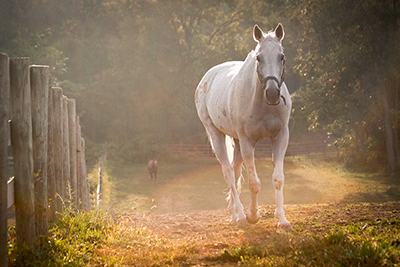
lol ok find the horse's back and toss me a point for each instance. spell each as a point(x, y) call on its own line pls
point(218, 76)
point(214, 89)
point(152, 166)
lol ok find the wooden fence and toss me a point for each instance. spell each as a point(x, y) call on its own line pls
point(47, 148)
point(308, 149)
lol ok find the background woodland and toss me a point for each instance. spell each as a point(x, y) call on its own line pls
point(133, 67)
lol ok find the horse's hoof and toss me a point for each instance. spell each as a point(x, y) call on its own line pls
point(241, 223)
point(252, 220)
point(285, 226)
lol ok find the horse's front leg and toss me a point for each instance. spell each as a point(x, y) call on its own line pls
point(247, 148)
point(279, 146)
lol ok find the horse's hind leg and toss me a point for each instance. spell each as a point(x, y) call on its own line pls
point(235, 206)
point(237, 165)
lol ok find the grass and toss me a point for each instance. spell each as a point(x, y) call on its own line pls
point(345, 231)
point(322, 236)
point(199, 185)
point(72, 241)
point(375, 243)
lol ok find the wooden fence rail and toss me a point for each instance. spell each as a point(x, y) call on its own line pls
point(48, 152)
point(310, 149)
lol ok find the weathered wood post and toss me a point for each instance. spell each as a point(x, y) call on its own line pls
point(66, 170)
point(21, 140)
point(4, 134)
point(57, 127)
point(39, 102)
point(78, 164)
point(72, 151)
point(51, 181)
point(86, 194)
point(100, 186)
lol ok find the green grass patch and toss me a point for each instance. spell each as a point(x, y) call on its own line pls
point(362, 244)
point(72, 241)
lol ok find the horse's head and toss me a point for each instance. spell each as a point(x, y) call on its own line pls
point(270, 62)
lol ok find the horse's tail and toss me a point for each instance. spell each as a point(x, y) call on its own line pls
point(230, 151)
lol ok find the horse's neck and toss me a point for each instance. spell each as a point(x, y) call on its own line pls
point(248, 76)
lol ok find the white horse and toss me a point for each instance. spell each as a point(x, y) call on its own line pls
point(248, 101)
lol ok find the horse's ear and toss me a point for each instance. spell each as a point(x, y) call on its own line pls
point(279, 32)
point(258, 34)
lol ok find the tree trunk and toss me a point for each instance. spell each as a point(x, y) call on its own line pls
point(389, 134)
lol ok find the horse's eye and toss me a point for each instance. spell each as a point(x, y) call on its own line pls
point(283, 58)
point(258, 58)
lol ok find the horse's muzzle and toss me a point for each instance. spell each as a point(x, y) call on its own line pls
point(273, 96)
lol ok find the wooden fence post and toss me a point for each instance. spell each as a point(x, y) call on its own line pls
point(66, 157)
point(86, 193)
point(57, 125)
point(4, 134)
point(21, 140)
point(51, 182)
point(78, 164)
point(72, 151)
point(39, 102)
point(100, 186)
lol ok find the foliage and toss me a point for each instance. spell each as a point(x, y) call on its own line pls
point(348, 62)
point(133, 66)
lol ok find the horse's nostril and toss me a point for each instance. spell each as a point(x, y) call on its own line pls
point(273, 96)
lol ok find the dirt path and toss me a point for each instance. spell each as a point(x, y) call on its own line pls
point(214, 230)
point(197, 186)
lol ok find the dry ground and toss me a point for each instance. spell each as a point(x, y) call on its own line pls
point(196, 186)
point(188, 224)
point(212, 231)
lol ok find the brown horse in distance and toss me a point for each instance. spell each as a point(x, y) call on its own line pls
point(153, 169)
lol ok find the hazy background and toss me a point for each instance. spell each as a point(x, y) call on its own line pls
point(133, 66)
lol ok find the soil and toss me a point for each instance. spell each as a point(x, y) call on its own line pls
point(215, 230)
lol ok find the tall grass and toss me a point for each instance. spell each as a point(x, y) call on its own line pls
point(72, 241)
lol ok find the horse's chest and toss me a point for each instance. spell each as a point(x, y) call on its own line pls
point(264, 128)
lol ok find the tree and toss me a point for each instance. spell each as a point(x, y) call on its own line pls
point(348, 61)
